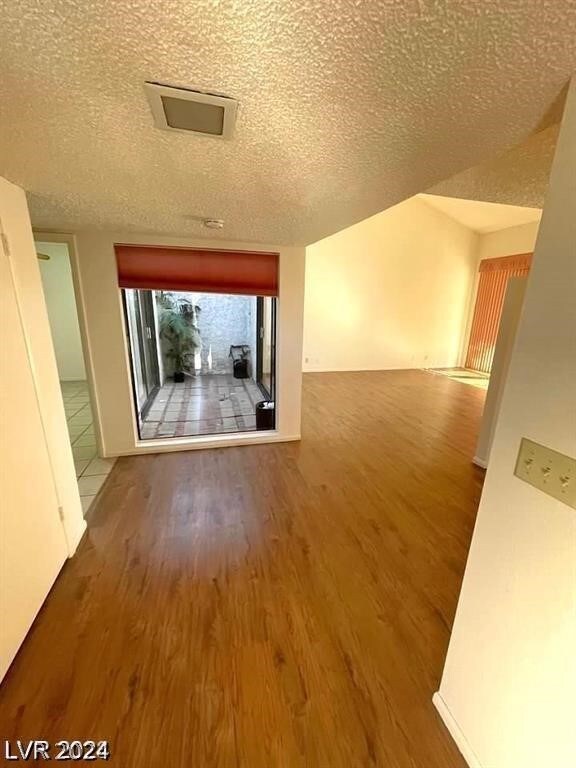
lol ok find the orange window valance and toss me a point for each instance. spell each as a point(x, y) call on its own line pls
point(200, 270)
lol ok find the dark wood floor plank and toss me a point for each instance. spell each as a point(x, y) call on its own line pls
point(282, 605)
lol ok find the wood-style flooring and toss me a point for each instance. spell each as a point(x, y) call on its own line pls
point(271, 606)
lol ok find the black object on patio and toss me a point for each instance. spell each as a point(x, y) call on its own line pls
point(240, 354)
point(265, 414)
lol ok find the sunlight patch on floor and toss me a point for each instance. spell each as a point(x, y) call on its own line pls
point(464, 376)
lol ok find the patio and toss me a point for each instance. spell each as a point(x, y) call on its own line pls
point(205, 404)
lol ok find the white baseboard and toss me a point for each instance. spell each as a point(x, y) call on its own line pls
point(479, 462)
point(455, 732)
point(228, 440)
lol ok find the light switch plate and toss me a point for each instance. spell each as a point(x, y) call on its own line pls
point(552, 472)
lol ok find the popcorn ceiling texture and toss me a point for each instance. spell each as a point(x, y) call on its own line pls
point(346, 107)
point(518, 177)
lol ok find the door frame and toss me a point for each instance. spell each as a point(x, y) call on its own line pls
point(143, 411)
point(146, 319)
point(269, 395)
point(70, 241)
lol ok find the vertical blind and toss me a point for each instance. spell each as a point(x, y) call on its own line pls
point(253, 273)
point(493, 279)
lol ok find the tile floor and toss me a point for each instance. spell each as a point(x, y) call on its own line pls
point(207, 404)
point(91, 470)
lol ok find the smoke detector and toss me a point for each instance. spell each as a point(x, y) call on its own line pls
point(191, 111)
point(213, 223)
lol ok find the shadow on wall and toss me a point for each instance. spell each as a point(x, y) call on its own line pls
point(215, 322)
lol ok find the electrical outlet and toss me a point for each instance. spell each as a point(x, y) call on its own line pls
point(552, 472)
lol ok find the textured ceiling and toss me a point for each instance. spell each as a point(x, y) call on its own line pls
point(482, 217)
point(346, 106)
point(516, 177)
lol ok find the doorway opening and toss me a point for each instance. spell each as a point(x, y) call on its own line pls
point(58, 286)
point(493, 277)
point(201, 363)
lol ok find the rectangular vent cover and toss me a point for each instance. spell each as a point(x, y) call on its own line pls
point(191, 111)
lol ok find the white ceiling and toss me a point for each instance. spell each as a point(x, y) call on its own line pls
point(346, 107)
point(482, 217)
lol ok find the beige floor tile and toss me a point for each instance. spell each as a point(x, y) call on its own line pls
point(86, 502)
point(99, 466)
point(75, 430)
point(81, 465)
point(89, 486)
point(85, 439)
point(84, 451)
point(84, 419)
point(71, 410)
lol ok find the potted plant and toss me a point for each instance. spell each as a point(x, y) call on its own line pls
point(178, 327)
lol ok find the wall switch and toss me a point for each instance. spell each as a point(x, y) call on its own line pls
point(552, 472)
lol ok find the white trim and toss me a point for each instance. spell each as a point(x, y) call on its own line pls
point(155, 92)
point(172, 444)
point(455, 731)
point(479, 462)
point(70, 241)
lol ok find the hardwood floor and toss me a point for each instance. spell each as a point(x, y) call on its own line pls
point(284, 605)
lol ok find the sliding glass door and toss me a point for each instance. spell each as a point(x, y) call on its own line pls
point(265, 347)
point(201, 331)
point(144, 348)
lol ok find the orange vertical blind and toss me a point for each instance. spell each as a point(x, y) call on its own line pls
point(493, 279)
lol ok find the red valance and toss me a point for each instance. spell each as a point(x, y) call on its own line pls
point(253, 273)
point(518, 261)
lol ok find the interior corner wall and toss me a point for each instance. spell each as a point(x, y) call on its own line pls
point(509, 241)
point(507, 690)
point(108, 345)
point(390, 292)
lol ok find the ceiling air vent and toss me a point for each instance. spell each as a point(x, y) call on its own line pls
point(185, 109)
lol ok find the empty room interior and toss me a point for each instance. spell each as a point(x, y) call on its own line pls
point(288, 365)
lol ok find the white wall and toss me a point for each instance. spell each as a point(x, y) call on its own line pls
point(61, 303)
point(509, 319)
point(108, 350)
point(509, 241)
point(390, 292)
point(34, 318)
point(509, 682)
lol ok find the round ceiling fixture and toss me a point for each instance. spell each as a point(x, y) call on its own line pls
point(214, 223)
